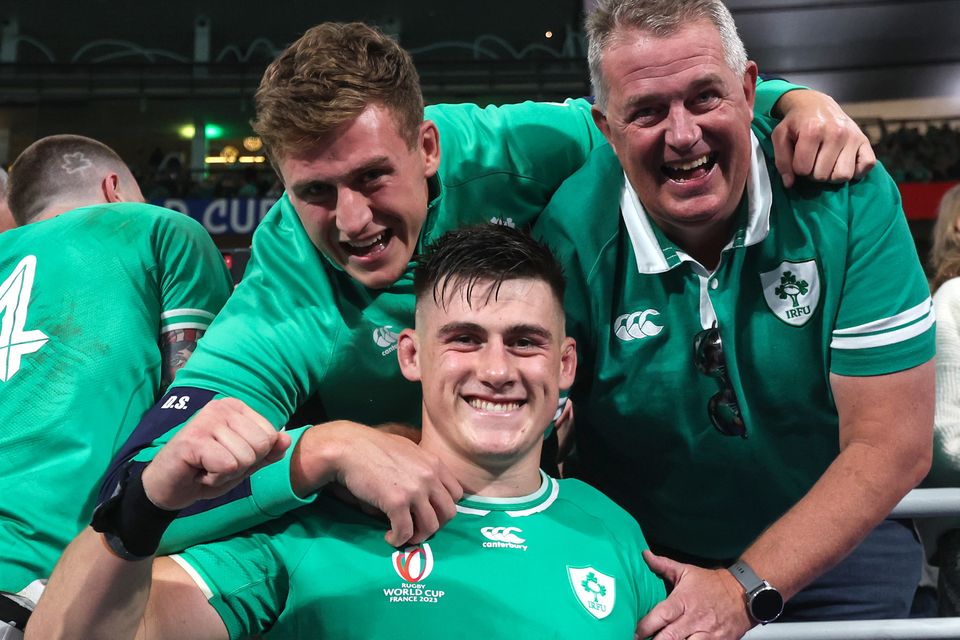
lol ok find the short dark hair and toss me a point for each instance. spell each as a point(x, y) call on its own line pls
point(484, 253)
point(54, 167)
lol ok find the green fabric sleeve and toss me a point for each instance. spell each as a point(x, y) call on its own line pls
point(192, 274)
point(271, 496)
point(768, 92)
point(883, 324)
point(244, 578)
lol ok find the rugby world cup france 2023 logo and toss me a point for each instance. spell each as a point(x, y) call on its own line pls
point(413, 563)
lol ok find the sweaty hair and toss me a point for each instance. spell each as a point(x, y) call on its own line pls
point(57, 168)
point(662, 18)
point(481, 254)
point(945, 252)
point(327, 78)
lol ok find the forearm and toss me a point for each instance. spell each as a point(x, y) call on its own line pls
point(317, 455)
point(92, 594)
point(857, 491)
point(266, 495)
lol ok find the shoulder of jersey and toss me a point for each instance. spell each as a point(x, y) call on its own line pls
point(594, 502)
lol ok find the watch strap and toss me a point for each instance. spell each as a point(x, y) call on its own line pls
point(746, 576)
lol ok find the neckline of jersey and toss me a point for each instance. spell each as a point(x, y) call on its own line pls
point(518, 506)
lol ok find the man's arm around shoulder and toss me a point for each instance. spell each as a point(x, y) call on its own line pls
point(886, 427)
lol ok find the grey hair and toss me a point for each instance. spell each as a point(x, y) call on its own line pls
point(662, 18)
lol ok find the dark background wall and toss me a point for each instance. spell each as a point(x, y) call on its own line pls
point(133, 73)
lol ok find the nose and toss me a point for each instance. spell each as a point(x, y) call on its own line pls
point(683, 132)
point(494, 369)
point(352, 212)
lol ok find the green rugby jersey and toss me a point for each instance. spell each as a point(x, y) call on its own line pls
point(817, 279)
point(299, 328)
point(563, 562)
point(84, 298)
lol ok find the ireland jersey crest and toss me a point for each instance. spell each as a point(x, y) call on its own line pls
point(792, 291)
point(595, 590)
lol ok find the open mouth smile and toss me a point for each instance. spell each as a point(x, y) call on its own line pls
point(369, 246)
point(691, 169)
point(494, 407)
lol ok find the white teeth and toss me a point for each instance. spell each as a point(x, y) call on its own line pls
point(686, 166)
point(494, 407)
point(368, 243)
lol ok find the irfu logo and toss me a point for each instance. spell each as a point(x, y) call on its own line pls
point(591, 585)
point(790, 287)
point(792, 291)
point(595, 590)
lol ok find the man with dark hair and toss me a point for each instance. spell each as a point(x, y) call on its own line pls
point(526, 554)
point(757, 383)
point(98, 294)
point(329, 285)
point(56, 172)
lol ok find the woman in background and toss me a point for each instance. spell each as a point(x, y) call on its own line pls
point(943, 534)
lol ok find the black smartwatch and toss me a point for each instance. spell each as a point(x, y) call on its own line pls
point(764, 602)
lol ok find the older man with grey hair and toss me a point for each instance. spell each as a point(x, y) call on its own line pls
point(756, 383)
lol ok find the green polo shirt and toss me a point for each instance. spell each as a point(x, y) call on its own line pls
point(818, 279)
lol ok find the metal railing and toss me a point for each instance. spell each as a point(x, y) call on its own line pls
point(919, 503)
point(909, 629)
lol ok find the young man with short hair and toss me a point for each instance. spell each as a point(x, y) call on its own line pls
point(526, 554)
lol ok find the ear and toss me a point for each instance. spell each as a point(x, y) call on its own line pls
point(568, 363)
point(429, 148)
point(750, 82)
point(600, 119)
point(110, 186)
point(408, 352)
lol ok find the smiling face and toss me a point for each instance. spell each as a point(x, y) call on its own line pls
point(678, 119)
point(491, 371)
point(361, 194)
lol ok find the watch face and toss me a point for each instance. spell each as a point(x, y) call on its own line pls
point(766, 605)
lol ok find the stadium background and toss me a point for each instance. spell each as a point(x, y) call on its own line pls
point(170, 85)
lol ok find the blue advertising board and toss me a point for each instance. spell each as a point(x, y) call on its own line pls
point(222, 215)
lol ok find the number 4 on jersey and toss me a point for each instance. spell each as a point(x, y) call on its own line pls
point(14, 300)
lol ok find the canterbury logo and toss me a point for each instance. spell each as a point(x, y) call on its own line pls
point(503, 534)
point(384, 337)
point(636, 325)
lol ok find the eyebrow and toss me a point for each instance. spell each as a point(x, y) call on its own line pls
point(699, 84)
point(453, 328)
point(373, 163)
